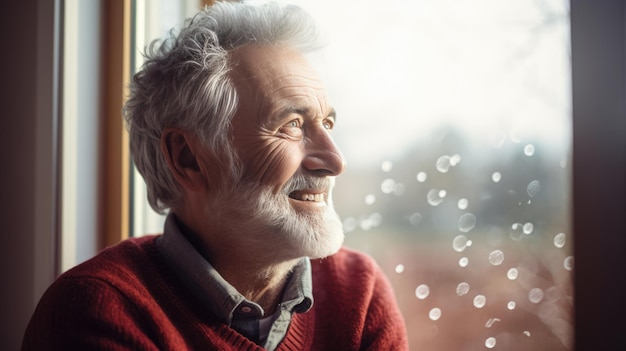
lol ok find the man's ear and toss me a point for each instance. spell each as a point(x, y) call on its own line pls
point(180, 149)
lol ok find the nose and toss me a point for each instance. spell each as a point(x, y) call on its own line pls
point(322, 156)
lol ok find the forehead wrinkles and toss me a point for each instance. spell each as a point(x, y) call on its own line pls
point(309, 95)
point(274, 78)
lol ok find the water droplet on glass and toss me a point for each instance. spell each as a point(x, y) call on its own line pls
point(371, 221)
point(528, 228)
point(398, 189)
point(463, 261)
point(516, 231)
point(490, 343)
point(529, 150)
point(511, 305)
point(459, 243)
point(349, 224)
point(421, 177)
point(415, 218)
point(387, 186)
point(480, 301)
point(386, 166)
point(443, 164)
point(512, 274)
point(365, 224)
point(491, 321)
point(496, 257)
point(399, 268)
point(535, 295)
point(568, 263)
point(533, 188)
point(455, 159)
point(370, 199)
point(376, 218)
point(462, 289)
point(434, 197)
point(467, 222)
point(559, 240)
point(434, 314)
point(462, 204)
point(422, 291)
point(496, 177)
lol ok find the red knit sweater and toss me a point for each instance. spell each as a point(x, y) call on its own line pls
point(126, 298)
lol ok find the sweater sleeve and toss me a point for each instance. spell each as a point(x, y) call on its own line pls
point(86, 313)
point(384, 327)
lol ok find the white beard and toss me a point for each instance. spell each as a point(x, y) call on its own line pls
point(256, 216)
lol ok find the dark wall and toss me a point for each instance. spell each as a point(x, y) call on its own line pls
point(599, 95)
point(18, 174)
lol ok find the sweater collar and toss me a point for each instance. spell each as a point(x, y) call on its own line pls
point(222, 299)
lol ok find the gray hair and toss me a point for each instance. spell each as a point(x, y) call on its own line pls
point(184, 83)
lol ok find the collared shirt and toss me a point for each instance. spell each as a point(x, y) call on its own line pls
point(224, 301)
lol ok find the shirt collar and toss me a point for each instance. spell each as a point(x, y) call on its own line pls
point(215, 292)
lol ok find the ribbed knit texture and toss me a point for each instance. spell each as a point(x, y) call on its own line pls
point(126, 298)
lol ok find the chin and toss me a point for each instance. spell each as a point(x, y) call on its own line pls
point(320, 248)
point(286, 229)
point(315, 233)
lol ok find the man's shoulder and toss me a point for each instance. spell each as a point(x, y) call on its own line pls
point(344, 264)
point(351, 281)
point(107, 296)
point(349, 258)
point(121, 262)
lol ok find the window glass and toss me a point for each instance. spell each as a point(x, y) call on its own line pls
point(151, 20)
point(454, 119)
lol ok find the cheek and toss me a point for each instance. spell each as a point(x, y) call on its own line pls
point(272, 163)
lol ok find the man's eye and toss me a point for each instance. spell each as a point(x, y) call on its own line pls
point(293, 124)
point(293, 129)
point(328, 124)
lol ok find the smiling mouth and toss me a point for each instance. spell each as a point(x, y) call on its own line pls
point(305, 196)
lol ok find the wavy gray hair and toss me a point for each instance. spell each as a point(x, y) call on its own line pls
point(184, 83)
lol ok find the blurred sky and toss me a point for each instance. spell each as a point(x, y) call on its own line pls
point(396, 69)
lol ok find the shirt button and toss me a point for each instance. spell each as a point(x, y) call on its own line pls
point(246, 309)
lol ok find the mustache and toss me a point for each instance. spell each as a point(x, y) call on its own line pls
point(300, 181)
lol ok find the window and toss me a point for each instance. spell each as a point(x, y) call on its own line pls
point(153, 19)
point(455, 120)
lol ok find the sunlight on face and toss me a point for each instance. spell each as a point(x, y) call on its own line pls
point(282, 135)
point(315, 234)
point(253, 210)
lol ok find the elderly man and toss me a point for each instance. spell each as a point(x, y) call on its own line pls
point(232, 131)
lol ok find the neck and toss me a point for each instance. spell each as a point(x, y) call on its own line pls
point(250, 265)
point(263, 285)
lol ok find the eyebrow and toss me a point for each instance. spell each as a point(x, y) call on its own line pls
point(333, 113)
point(304, 111)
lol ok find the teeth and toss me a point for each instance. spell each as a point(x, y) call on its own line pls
point(313, 197)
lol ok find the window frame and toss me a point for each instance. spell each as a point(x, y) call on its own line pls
point(599, 170)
